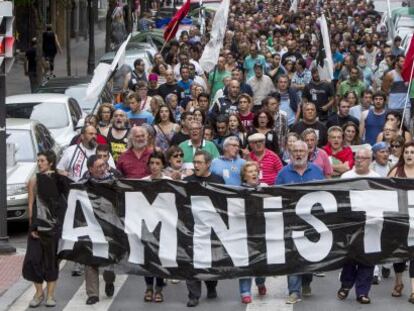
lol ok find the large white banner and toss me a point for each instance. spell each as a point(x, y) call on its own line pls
point(212, 50)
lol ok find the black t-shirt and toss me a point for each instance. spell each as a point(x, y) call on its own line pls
point(153, 92)
point(319, 128)
point(335, 119)
point(31, 60)
point(319, 95)
point(211, 178)
point(178, 138)
point(166, 89)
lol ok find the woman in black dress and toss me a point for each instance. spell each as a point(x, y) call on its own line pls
point(46, 208)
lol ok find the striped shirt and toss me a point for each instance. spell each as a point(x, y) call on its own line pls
point(270, 166)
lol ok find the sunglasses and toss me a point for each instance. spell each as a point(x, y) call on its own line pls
point(395, 146)
point(178, 155)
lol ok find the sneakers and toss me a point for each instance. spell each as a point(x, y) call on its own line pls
point(246, 299)
point(92, 300)
point(36, 301)
point(262, 290)
point(192, 302)
point(376, 280)
point(293, 298)
point(306, 290)
point(211, 293)
point(50, 302)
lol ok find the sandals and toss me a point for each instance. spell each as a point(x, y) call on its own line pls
point(343, 293)
point(148, 295)
point(397, 292)
point(363, 299)
point(158, 297)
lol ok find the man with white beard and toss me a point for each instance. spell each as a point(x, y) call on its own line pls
point(133, 162)
point(299, 170)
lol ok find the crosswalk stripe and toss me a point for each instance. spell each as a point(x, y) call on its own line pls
point(275, 298)
point(22, 303)
point(78, 301)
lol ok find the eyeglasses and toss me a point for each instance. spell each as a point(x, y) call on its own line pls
point(362, 158)
point(258, 142)
point(395, 146)
point(178, 155)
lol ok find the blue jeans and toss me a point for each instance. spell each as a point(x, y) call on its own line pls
point(295, 282)
point(245, 285)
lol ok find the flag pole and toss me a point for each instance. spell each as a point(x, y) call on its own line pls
point(169, 36)
point(408, 95)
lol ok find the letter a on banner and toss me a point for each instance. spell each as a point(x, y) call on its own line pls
point(70, 235)
point(234, 238)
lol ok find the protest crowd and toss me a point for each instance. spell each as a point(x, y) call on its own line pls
point(279, 107)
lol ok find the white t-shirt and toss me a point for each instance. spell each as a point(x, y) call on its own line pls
point(74, 160)
point(353, 174)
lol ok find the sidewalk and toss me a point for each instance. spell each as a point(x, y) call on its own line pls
point(18, 83)
point(10, 270)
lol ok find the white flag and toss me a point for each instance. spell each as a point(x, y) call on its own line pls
point(326, 43)
point(294, 6)
point(212, 50)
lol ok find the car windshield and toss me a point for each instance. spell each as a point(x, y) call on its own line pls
point(24, 146)
point(79, 93)
point(52, 115)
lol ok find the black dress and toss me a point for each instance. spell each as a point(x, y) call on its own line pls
point(40, 262)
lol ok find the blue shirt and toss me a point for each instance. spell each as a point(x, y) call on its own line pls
point(228, 169)
point(145, 115)
point(289, 176)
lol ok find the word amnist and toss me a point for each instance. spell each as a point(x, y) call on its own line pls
point(162, 215)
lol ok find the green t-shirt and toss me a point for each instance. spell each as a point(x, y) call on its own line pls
point(218, 80)
point(189, 150)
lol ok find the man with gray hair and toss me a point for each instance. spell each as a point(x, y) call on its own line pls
point(353, 272)
point(133, 162)
point(229, 164)
point(298, 171)
point(362, 167)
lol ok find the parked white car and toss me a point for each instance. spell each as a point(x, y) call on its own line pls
point(28, 138)
point(61, 114)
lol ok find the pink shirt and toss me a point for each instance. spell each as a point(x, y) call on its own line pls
point(322, 161)
point(270, 166)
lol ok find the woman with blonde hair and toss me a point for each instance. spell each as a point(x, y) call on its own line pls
point(250, 178)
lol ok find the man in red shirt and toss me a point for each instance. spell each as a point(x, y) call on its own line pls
point(133, 162)
point(269, 162)
point(342, 158)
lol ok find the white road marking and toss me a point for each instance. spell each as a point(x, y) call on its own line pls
point(78, 302)
point(22, 303)
point(275, 298)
